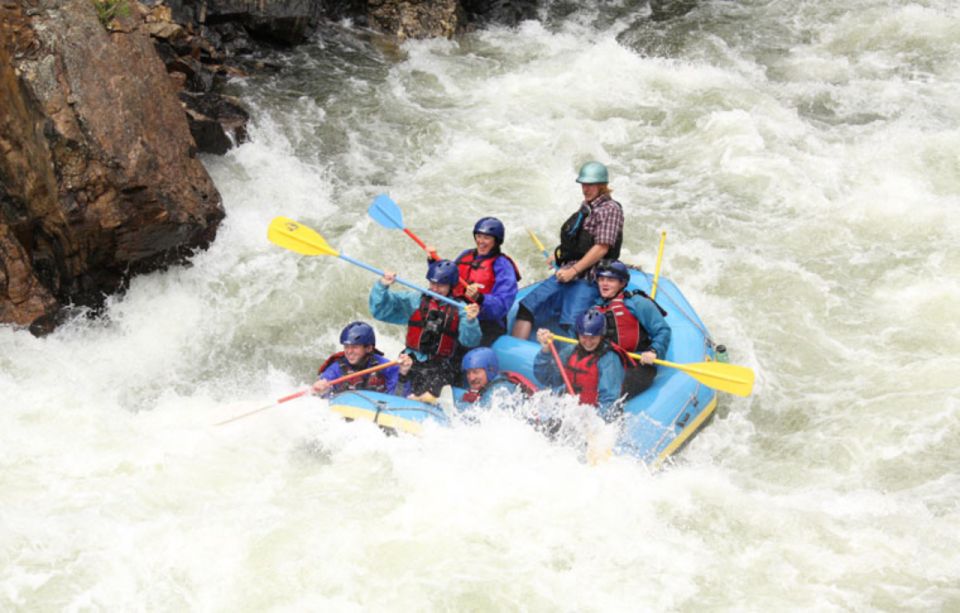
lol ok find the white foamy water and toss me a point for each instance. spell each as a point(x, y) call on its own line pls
point(804, 159)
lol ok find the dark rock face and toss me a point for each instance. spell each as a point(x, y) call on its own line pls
point(98, 174)
point(217, 122)
point(506, 12)
point(286, 22)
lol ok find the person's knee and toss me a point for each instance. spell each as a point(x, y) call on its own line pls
point(524, 314)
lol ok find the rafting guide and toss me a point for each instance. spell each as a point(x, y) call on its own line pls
point(593, 232)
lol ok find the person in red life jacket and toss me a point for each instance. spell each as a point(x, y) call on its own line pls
point(491, 276)
point(483, 377)
point(634, 322)
point(594, 369)
point(359, 353)
point(435, 329)
point(594, 232)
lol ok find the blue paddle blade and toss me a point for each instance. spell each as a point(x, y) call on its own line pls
point(386, 212)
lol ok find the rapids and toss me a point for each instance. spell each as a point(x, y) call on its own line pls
point(803, 158)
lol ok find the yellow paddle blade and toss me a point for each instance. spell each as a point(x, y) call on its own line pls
point(722, 377)
point(730, 378)
point(536, 241)
point(291, 235)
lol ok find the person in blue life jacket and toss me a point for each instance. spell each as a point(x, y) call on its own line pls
point(359, 353)
point(435, 329)
point(592, 233)
point(491, 278)
point(595, 370)
point(634, 322)
point(483, 377)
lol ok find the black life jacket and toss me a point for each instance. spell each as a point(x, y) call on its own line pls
point(575, 242)
point(527, 386)
point(374, 382)
point(433, 328)
point(480, 270)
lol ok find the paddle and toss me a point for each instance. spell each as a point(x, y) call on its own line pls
point(722, 377)
point(563, 371)
point(385, 212)
point(306, 391)
point(543, 250)
point(656, 272)
point(296, 237)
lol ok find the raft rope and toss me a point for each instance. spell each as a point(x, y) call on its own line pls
point(669, 429)
point(384, 407)
point(678, 307)
point(377, 403)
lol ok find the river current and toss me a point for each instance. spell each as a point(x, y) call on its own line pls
point(803, 159)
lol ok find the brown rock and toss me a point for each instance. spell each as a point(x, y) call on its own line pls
point(98, 174)
point(417, 19)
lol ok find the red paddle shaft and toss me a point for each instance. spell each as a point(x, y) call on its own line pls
point(304, 392)
point(563, 371)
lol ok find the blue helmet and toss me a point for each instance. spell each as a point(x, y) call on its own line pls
point(593, 172)
point(358, 333)
point(481, 357)
point(491, 226)
point(444, 272)
point(613, 268)
point(591, 323)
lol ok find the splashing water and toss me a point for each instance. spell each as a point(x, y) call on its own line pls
point(804, 159)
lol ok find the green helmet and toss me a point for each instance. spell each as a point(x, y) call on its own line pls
point(593, 172)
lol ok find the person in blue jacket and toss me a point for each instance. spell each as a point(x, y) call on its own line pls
point(359, 353)
point(435, 329)
point(593, 367)
point(634, 322)
point(483, 377)
point(491, 277)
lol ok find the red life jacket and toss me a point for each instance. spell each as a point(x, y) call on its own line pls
point(479, 270)
point(433, 328)
point(584, 374)
point(623, 328)
point(527, 386)
point(374, 382)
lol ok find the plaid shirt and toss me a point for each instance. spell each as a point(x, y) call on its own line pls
point(605, 222)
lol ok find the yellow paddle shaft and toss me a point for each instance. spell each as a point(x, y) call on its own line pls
point(656, 270)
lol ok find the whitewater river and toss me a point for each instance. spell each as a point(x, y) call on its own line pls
point(803, 158)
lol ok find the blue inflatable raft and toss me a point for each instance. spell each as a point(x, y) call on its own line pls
point(656, 423)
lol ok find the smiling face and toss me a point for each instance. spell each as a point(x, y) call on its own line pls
point(589, 342)
point(356, 354)
point(485, 243)
point(440, 288)
point(609, 286)
point(476, 378)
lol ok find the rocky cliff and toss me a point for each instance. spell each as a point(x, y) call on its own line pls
point(104, 105)
point(99, 178)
